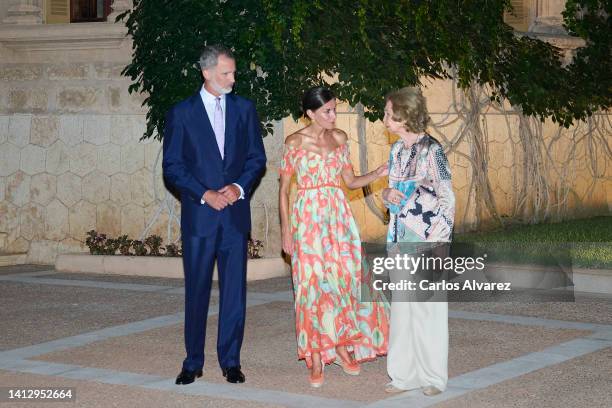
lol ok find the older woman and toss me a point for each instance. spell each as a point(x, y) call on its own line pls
point(422, 207)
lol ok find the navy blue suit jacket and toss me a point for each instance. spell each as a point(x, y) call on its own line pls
point(192, 163)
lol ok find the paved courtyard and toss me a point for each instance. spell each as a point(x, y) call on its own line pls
point(118, 342)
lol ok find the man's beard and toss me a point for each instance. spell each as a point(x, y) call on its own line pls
point(219, 89)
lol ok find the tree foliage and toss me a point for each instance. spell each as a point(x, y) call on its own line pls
point(363, 49)
point(591, 71)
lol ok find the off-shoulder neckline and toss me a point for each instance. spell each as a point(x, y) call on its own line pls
point(313, 152)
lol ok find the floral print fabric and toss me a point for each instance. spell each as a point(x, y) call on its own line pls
point(428, 212)
point(326, 263)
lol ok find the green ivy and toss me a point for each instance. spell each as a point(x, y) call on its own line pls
point(370, 47)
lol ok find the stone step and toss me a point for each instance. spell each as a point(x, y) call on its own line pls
point(12, 259)
point(163, 267)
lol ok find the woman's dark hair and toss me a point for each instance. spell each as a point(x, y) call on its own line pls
point(316, 97)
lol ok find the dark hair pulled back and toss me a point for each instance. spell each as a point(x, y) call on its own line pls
point(316, 97)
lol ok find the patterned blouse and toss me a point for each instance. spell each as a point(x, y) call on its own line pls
point(422, 172)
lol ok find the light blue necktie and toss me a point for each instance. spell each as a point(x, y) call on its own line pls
point(219, 126)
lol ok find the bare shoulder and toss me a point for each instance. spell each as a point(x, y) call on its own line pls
point(340, 136)
point(294, 139)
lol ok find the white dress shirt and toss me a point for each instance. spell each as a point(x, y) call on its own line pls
point(209, 101)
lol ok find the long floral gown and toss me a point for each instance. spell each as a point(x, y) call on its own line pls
point(326, 263)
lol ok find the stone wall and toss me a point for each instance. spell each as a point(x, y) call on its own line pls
point(67, 166)
point(70, 155)
point(71, 159)
point(3, 8)
point(587, 196)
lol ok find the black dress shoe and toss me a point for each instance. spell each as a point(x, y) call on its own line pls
point(233, 374)
point(187, 377)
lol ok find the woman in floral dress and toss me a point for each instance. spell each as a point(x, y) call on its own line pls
point(321, 235)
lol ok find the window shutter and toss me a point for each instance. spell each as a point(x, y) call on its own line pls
point(57, 11)
point(519, 18)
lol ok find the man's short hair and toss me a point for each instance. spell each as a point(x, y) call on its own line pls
point(210, 55)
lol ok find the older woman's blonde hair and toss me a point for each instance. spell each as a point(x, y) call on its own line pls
point(410, 108)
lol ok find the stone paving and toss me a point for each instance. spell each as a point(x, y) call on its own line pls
point(118, 341)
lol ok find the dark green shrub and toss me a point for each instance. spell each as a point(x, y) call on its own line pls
point(100, 244)
point(111, 246)
point(139, 248)
point(154, 242)
point(173, 250)
point(95, 242)
point(365, 49)
point(253, 248)
point(124, 245)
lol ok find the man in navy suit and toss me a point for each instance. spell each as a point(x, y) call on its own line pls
point(213, 155)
